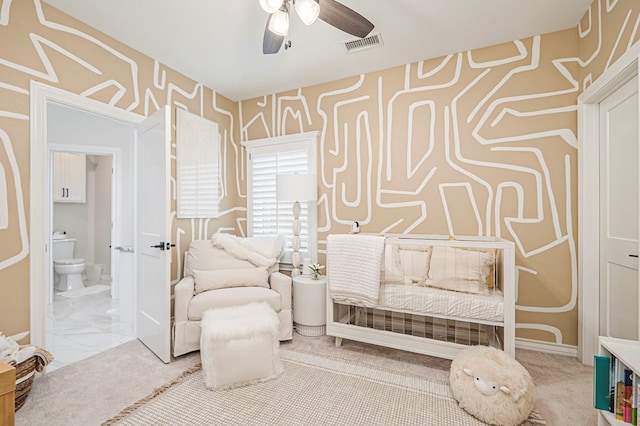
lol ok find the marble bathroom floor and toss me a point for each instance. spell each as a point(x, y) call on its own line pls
point(84, 326)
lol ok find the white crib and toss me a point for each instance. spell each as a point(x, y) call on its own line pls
point(414, 316)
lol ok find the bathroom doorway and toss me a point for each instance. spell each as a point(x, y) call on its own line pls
point(81, 193)
point(97, 152)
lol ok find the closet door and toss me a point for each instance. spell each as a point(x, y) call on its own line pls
point(619, 187)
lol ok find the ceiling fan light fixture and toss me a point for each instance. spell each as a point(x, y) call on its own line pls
point(271, 6)
point(279, 22)
point(307, 10)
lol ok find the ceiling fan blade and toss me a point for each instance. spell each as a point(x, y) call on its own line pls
point(271, 42)
point(344, 18)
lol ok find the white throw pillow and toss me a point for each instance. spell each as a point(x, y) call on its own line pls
point(392, 268)
point(415, 263)
point(459, 269)
point(203, 256)
point(405, 264)
point(225, 278)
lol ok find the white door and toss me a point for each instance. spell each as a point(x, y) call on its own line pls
point(619, 297)
point(153, 230)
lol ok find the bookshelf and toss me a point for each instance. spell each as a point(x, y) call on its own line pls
point(626, 352)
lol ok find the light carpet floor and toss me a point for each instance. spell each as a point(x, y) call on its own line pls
point(98, 388)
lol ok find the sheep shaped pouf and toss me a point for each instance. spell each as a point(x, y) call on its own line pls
point(492, 386)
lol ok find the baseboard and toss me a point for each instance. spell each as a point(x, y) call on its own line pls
point(553, 348)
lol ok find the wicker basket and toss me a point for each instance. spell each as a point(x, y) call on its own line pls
point(25, 372)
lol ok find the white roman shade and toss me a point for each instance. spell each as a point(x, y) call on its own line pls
point(197, 162)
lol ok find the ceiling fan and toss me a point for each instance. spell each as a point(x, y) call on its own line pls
point(330, 11)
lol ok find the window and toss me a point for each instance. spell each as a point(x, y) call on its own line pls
point(265, 214)
point(197, 153)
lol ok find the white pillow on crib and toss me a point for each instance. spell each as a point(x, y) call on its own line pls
point(392, 267)
point(415, 262)
point(406, 264)
point(457, 269)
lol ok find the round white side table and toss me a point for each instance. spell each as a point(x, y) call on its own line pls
point(310, 306)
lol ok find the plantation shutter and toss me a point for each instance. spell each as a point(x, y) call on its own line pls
point(266, 216)
point(270, 216)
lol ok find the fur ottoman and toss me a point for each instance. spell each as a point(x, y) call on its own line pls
point(239, 346)
point(492, 386)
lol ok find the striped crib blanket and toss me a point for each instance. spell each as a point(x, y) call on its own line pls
point(353, 268)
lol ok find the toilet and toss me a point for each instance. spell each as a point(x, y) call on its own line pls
point(67, 269)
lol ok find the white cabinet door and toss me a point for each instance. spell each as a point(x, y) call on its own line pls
point(76, 173)
point(59, 181)
point(69, 177)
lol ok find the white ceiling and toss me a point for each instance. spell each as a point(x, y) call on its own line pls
point(219, 43)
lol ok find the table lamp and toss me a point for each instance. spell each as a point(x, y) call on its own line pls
point(296, 187)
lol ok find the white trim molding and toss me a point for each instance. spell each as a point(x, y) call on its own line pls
point(552, 348)
point(623, 70)
point(39, 226)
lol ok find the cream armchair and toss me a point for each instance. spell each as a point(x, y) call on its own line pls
point(213, 278)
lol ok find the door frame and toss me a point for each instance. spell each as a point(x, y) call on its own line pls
point(39, 197)
point(623, 70)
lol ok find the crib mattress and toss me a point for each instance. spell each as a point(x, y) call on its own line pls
point(434, 301)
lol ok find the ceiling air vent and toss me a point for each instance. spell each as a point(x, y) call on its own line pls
point(359, 44)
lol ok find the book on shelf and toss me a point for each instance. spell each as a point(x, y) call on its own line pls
point(635, 399)
point(619, 397)
point(612, 384)
point(601, 379)
point(628, 395)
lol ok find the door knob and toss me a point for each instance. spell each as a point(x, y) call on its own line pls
point(163, 246)
point(633, 255)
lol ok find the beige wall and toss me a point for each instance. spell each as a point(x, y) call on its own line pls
point(49, 46)
point(476, 143)
point(606, 32)
point(480, 142)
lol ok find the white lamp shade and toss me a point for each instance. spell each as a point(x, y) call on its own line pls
point(296, 187)
point(307, 10)
point(271, 6)
point(279, 23)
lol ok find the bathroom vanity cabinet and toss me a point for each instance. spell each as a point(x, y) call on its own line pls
point(69, 177)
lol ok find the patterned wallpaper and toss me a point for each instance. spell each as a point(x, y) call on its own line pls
point(49, 46)
point(480, 142)
point(475, 143)
point(606, 32)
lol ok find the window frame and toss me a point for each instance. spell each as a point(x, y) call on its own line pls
point(307, 141)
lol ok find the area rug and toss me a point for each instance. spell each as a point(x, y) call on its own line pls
point(85, 291)
point(313, 390)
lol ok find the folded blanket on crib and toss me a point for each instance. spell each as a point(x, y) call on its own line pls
point(353, 268)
